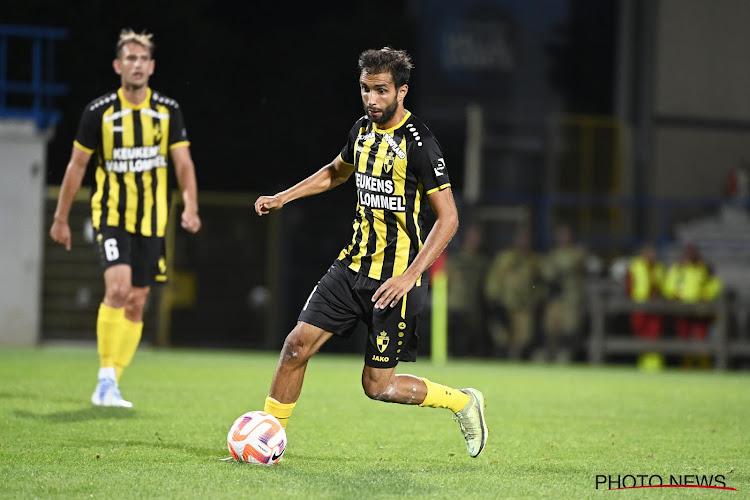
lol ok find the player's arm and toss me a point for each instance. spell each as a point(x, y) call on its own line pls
point(446, 224)
point(185, 172)
point(335, 173)
point(71, 183)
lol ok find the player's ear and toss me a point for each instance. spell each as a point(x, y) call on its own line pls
point(116, 65)
point(402, 91)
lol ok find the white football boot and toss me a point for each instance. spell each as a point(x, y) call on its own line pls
point(107, 393)
point(471, 420)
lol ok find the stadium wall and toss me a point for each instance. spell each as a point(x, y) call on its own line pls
point(701, 110)
point(22, 184)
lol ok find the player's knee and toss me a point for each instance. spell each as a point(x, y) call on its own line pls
point(377, 389)
point(134, 306)
point(297, 348)
point(117, 293)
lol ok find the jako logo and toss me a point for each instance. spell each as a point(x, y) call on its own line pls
point(637, 481)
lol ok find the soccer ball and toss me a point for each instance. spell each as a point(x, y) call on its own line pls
point(257, 438)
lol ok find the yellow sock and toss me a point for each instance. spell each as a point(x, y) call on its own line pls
point(131, 337)
point(108, 333)
point(441, 396)
point(281, 411)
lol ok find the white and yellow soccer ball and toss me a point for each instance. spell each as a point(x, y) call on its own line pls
point(257, 437)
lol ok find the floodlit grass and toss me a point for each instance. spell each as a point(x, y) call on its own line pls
point(552, 430)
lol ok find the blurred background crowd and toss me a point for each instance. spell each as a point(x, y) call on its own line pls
point(598, 151)
point(520, 303)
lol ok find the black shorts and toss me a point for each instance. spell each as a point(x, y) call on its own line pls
point(145, 255)
point(342, 298)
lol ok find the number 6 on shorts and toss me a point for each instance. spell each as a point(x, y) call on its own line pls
point(110, 249)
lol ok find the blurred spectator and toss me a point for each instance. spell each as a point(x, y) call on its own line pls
point(691, 280)
point(467, 268)
point(512, 296)
point(643, 282)
point(563, 271)
point(738, 183)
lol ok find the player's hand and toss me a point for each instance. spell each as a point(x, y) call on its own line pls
point(265, 204)
point(60, 233)
point(191, 222)
point(392, 290)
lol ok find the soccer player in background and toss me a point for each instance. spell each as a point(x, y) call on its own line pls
point(378, 278)
point(133, 132)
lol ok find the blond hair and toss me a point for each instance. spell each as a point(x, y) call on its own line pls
point(129, 36)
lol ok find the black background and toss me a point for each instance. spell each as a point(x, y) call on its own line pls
point(268, 90)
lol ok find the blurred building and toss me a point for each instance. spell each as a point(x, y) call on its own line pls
point(624, 119)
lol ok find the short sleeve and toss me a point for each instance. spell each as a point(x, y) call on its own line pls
point(177, 130)
point(89, 132)
point(430, 163)
point(347, 154)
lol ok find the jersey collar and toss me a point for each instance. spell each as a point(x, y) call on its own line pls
point(399, 124)
point(127, 104)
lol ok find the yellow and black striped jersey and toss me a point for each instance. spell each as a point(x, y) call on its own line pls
point(131, 144)
point(394, 169)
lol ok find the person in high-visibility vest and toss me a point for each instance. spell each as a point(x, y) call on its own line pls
point(691, 280)
point(643, 283)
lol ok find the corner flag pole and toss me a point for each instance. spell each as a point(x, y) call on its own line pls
point(439, 331)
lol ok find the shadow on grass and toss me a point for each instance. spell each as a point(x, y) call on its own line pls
point(31, 396)
point(159, 443)
point(83, 414)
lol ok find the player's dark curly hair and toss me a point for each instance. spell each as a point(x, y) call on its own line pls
point(387, 60)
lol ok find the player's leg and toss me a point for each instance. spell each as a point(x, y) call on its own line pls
point(148, 262)
point(110, 324)
point(302, 342)
point(331, 309)
point(299, 346)
point(384, 384)
point(467, 405)
point(393, 338)
point(132, 328)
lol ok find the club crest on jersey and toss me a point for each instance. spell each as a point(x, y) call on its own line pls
point(382, 341)
point(390, 159)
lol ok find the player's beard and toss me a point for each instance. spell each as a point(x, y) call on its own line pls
point(134, 86)
point(387, 113)
point(131, 85)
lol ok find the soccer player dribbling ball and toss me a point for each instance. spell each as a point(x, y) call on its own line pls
point(378, 278)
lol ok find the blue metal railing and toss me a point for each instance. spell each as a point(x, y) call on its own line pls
point(39, 84)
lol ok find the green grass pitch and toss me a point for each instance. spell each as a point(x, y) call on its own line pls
point(553, 430)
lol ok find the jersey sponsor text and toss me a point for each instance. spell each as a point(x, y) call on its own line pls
point(373, 193)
